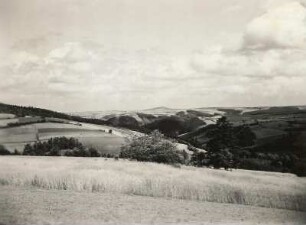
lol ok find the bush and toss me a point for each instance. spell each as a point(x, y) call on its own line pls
point(152, 148)
point(199, 159)
point(54, 147)
point(4, 151)
point(220, 159)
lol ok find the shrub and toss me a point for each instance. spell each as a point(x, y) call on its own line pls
point(93, 152)
point(152, 148)
point(199, 159)
point(54, 146)
point(4, 151)
point(222, 158)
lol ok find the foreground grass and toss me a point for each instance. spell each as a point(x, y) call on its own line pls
point(273, 190)
point(26, 205)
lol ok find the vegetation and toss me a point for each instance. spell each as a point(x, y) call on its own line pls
point(124, 121)
point(22, 111)
point(228, 145)
point(60, 146)
point(172, 126)
point(4, 151)
point(152, 148)
point(234, 147)
point(272, 190)
point(17, 124)
point(224, 145)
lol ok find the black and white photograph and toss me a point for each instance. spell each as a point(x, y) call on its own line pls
point(153, 112)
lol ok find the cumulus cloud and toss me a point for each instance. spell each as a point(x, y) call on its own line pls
point(280, 27)
point(274, 45)
point(269, 67)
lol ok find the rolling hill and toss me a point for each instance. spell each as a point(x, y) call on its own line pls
point(26, 125)
point(279, 131)
point(268, 123)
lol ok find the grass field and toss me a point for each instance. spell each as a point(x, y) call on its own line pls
point(90, 135)
point(6, 116)
point(20, 205)
point(5, 122)
point(272, 190)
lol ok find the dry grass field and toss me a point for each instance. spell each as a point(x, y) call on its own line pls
point(21, 205)
point(265, 189)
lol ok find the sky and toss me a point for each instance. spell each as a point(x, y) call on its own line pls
point(92, 55)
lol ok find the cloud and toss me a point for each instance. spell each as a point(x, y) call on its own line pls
point(280, 27)
point(262, 64)
point(274, 45)
point(268, 67)
point(80, 70)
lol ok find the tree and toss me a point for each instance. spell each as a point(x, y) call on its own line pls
point(93, 152)
point(152, 148)
point(220, 136)
point(243, 136)
point(226, 143)
point(222, 158)
point(28, 150)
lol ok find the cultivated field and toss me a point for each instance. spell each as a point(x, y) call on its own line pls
point(96, 136)
point(6, 116)
point(272, 190)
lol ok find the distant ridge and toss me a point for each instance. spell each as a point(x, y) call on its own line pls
point(21, 111)
point(158, 108)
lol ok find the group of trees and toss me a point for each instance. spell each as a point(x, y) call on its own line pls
point(234, 147)
point(22, 111)
point(172, 126)
point(152, 148)
point(227, 147)
point(224, 146)
point(60, 146)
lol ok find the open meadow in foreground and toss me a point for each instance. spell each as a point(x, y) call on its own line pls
point(22, 178)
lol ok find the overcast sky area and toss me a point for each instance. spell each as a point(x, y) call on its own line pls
point(86, 55)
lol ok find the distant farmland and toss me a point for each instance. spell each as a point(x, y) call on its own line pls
point(90, 135)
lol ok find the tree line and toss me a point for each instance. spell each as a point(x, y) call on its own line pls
point(60, 146)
